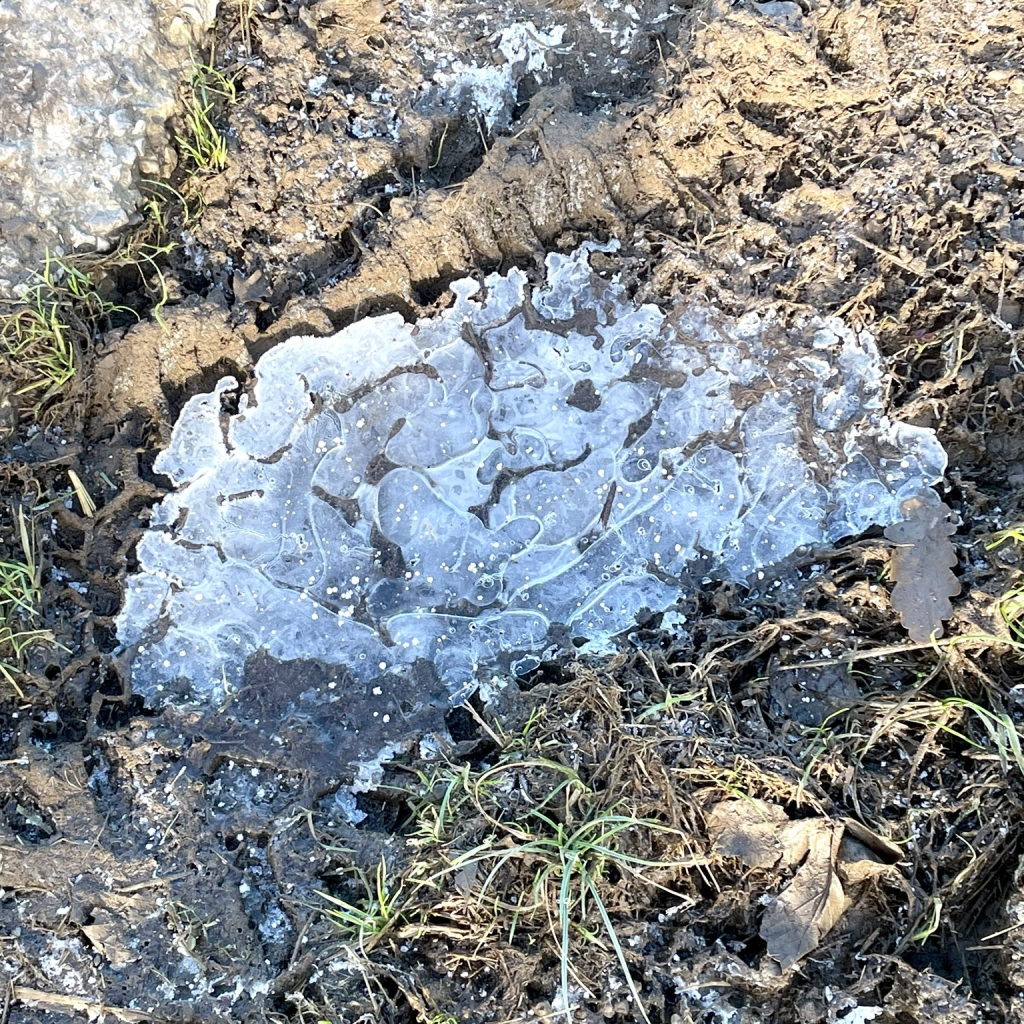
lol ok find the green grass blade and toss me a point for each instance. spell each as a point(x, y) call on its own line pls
point(616, 945)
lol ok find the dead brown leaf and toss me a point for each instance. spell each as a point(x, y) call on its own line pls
point(921, 566)
point(827, 852)
point(106, 934)
point(747, 830)
point(805, 912)
point(857, 863)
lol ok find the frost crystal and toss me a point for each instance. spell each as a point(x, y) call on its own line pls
point(525, 469)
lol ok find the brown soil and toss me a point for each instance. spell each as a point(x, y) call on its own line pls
point(860, 159)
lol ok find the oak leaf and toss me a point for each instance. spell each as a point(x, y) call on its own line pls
point(921, 565)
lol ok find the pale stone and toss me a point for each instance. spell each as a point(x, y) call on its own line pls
point(87, 90)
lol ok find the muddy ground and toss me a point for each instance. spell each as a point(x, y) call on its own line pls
point(861, 159)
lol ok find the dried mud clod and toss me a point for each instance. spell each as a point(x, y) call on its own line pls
point(854, 159)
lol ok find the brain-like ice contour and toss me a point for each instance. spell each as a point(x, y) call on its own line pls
point(525, 469)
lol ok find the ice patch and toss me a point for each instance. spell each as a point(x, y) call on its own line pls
point(529, 467)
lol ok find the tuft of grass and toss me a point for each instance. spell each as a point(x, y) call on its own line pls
point(570, 865)
point(1011, 604)
point(20, 600)
point(365, 924)
point(206, 92)
point(41, 333)
point(1000, 728)
point(1011, 608)
point(139, 260)
point(523, 848)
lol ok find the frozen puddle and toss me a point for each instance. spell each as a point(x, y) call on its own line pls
point(525, 470)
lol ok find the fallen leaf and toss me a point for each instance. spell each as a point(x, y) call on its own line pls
point(107, 936)
point(886, 851)
point(807, 909)
point(827, 853)
point(858, 864)
point(748, 830)
point(759, 834)
point(921, 565)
